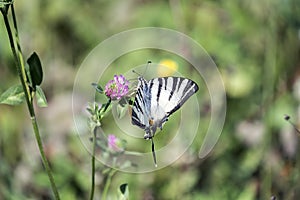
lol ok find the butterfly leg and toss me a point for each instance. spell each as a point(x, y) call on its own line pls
point(153, 153)
point(148, 135)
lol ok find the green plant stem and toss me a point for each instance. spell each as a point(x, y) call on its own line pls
point(18, 57)
point(107, 105)
point(93, 164)
point(18, 62)
point(107, 183)
point(44, 159)
point(93, 152)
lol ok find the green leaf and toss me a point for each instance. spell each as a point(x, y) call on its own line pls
point(35, 68)
point(13, 96)
point(40, 97)
point(123, 192)
point(98, 88)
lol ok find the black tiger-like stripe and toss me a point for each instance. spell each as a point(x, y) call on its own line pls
point(139, 100)
point(160, 84)
point(180, 82)
point(174, 80)
point(187, 92)
point(166, 81)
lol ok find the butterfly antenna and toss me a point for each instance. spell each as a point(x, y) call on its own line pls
point(153, 152)
point(148, 64)
point(133, 71)
point(287, 118)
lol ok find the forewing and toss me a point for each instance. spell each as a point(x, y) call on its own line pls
point(170, 93)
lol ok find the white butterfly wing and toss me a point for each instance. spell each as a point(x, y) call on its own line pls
point(141, 106)
point(168, 94)
point(157, 99)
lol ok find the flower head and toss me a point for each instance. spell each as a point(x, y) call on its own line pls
point(114, 143)
point(117, 88)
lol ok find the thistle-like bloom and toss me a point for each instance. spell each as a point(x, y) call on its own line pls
point(117, 88)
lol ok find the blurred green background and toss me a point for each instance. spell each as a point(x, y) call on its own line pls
point(255, 45)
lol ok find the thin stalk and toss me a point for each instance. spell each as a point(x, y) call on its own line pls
point(107, 105)
point(107, 184)
point(93, 152)
point(93, 165)
point(44, 159)
point(19, 61)
point(14, 19)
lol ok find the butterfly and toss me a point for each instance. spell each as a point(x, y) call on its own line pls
point(158, 98)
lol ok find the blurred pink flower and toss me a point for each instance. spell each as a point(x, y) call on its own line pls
point(117, 88)
point(113, 143)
